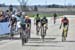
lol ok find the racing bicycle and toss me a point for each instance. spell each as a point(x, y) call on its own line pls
point(43, 31)
point(64, 33)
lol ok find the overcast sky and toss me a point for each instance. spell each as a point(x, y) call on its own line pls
point(39, 2)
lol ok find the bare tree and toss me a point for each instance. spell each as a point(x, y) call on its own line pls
point(23, 4)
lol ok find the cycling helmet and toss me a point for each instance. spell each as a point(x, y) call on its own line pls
point(44, 17)
point(13, 15)
point(23, 13)
point(37, 15)
point(65, 17)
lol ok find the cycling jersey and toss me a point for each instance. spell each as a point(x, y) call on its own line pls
point(22, 23)
point(28, 22)
point(37, 20)
point(44, 21)
point(65, 21)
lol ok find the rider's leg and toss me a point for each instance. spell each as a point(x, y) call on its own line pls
point(43, 33)
point(62, 36)
point(11, 32)
point(37, 31)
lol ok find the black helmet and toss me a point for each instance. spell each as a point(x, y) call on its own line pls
point(44, 17)
point(37, 15)
point(65, 17)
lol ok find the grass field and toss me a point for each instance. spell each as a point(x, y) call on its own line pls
point(41, 15)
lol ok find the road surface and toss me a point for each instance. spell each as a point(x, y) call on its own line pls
point(52, 40)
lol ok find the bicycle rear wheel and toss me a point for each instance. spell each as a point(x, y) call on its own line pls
point(37, 30)
point(22, 38)
point(42, 33)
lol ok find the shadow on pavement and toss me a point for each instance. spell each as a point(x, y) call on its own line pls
point(48, 40)
point(43, 45)
point(18, 38)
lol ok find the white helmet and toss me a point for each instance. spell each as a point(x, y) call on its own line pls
point(13, 15)
point(23, 13)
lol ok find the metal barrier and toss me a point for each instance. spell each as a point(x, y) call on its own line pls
point(4, 28)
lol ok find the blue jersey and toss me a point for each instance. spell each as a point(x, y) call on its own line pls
point(22, 20)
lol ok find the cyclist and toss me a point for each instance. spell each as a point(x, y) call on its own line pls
point(28, 24)
point(23, 28)
point(44, 21)
point(55, 16)
point(37, 22)
point(21, 15)
point(64, 22)
point(13, 23)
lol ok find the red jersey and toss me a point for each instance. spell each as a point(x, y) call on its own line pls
point(65, 21)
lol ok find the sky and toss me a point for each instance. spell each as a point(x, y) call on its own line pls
point(39, 2)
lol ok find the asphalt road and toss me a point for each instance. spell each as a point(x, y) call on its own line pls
point(52, 40)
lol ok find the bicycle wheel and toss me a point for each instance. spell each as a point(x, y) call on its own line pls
point(43, 36)
point(63, 39)
point(23, 37)
point(42, 33)
point(22, 41)
point(29, 34)
point(11, 33)
point(37, 30)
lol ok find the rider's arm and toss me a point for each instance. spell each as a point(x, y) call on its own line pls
point(61, 23)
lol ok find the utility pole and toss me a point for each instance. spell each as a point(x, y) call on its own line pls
point(65, 3)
